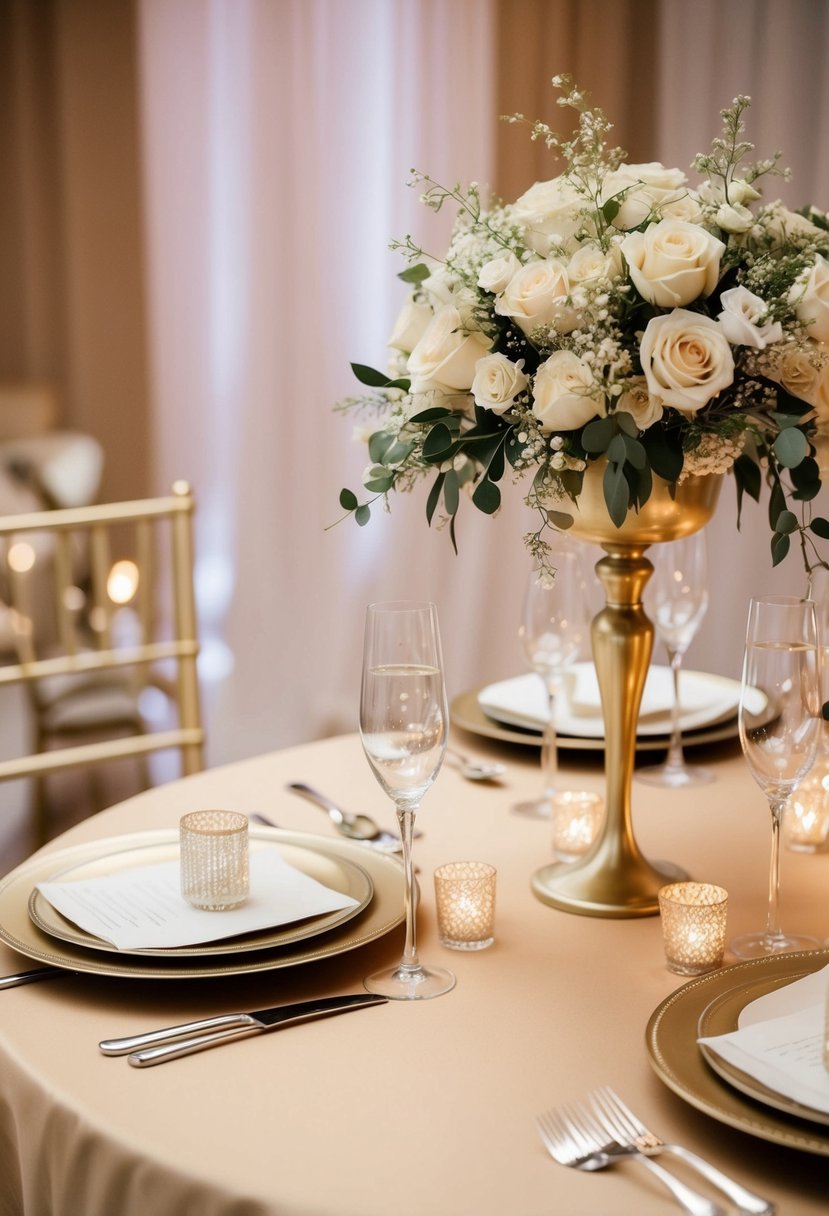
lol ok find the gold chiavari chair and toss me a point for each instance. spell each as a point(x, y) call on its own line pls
point(92, 632)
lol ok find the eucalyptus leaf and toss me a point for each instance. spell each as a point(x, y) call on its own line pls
point(616, 493)
point(434, 496)
point(451, 493)
point(415, 274)
point(596, 436)
point(616, 450)
point(790, 447)
point(348, 500)
point(378, 444)
point(363, 514)
point(636, 454)
point(438, 442)
point(370, 375)
point(379, 480)
point(664, 453)
point(777, 503)
point(432, 414)
point(748, 476)
point(487, 496)
point(626, 423)
point(560, 520)
point(398, 452)
point(820, 527)
point(779, 548)
point(786, 522)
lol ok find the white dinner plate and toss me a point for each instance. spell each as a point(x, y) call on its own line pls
point(705, 701)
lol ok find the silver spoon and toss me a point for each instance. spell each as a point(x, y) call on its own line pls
point(475, 770)
point(355, 827)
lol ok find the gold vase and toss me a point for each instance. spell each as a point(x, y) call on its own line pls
point(614, 879)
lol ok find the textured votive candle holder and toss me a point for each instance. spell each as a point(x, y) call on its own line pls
point(693, 926)
point(806, 817)
point(465, 896)
point(577, 817)
point(214, 859)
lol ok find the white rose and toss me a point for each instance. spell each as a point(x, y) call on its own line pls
point(638, 402)
point(410, 325)
point(591, 262)
point(497, 383)
point(496, 274)
point(565, 394)
point(551, 213)
point(811, 299)
point(686, 359)
point(446, 354)
point(741, 316)
point(672, 263)
point(647, 188)
point(739, 192)
point(780, 223)
point(734, 217)
point(804, 372)
point(684, 206)
point(538, 296)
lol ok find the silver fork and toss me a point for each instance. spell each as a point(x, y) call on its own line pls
point(572, 1137)
point(620, 1122)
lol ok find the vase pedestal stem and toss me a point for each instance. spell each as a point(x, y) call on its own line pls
point(614, 879)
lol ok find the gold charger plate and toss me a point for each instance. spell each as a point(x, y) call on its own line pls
point(671, 1039)
point(384, 913)
point(336, 872)
point(466, 713)
point(721, 1017)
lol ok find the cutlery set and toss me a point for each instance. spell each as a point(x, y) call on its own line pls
point(603, 1130)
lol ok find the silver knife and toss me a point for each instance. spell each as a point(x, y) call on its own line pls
point(172, 1042)
point(32, 977)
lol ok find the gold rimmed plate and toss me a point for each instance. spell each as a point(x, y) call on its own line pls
point(336, 872)
point(678, 1060)
point(383, 913)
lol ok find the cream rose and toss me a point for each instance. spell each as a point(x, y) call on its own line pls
point(410, 325)
point(804, 372)
point(496, 274)
point(686, 359)
point(646, 188)
point(551, 214)
point(811, 299)
point(538, 297)
point(672, 263)
point(446, 355)
point(591, 262)
point(741, 317)
point(565, 396)
point(644, 409)
point(497, 383)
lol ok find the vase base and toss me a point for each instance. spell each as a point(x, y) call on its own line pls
point(588, 891)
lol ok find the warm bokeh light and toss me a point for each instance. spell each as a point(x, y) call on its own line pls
point(21, 556)
point(122, 583)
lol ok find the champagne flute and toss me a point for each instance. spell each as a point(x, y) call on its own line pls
point(403, 727)
point(677, 600)
point(554, 631)
point(780, 741)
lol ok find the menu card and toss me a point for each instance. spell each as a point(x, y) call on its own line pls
point(143, 908)
point(780, 1041)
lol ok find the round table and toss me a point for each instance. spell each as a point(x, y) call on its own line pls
point(411, 1108)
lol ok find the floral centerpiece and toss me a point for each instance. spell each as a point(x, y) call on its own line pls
point(613, 313)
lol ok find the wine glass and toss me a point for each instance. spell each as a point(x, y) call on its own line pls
point(554, 631)
point(780, 740)
point(677, 600)
point(403, 726)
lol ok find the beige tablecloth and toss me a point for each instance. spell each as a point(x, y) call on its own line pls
point(411, 1108)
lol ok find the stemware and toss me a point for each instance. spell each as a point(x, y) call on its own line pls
point(554, 632)
point(403, 727)
point(677, 600)
point(779, 742)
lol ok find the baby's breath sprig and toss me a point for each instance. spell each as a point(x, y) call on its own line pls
point(729, 150)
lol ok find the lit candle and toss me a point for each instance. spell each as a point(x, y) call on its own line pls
point(577, 817)
point(693, 926)
point(465, 896)
point(806, 818)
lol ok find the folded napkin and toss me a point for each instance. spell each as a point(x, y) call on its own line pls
point(143, 908)
point(780, 1042)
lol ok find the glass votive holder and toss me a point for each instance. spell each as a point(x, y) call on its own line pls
point(214, 859)
point(693, 926)
point(806, 817)
point(465, 897)
point(577, 817)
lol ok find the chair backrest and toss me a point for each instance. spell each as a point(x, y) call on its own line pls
point(79, 614)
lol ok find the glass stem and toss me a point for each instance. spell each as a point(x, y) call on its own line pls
point(405, 820)
point(549, 744)
point(675, 758)
point(773, 931)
